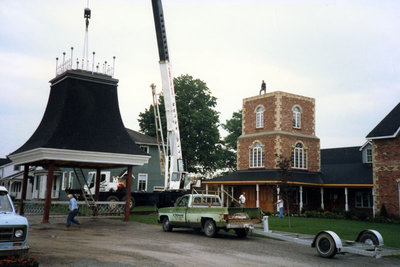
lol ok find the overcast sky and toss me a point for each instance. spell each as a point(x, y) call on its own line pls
point(345, 54)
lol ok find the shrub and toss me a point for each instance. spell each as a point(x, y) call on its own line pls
point(311, 213)
point(383, 212)
point(348, 215)
point(18, 261)
point(336, 211)
point(362, 215)
point(380, 219)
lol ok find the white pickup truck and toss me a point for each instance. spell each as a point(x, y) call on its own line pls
point(13, 228)
point(205, 212)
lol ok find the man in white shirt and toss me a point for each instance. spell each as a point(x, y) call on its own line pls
point(280, 206)
point(242, 200)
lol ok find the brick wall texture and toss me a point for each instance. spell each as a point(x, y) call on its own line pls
point(278, 135)
point(386, 174)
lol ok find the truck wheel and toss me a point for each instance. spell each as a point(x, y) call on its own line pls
point(131, 203)
point(166, 225)
point(242, 233)
point(369, 239)
point(112, 199)
point(325, 245)
point(210, 229)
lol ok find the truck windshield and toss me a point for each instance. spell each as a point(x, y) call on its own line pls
point(175, 176)
point(5, 205)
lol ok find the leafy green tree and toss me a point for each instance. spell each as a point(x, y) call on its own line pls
point(234, 128)
point(198, 124)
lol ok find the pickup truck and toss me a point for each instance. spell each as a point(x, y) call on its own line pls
point(13, 228)
point(204, 212)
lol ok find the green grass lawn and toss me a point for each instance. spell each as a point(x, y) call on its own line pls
point(149, 219)
point(346, 229)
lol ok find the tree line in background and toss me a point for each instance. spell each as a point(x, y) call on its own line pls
point(203, 149)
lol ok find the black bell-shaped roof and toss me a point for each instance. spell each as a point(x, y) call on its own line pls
point(82, 123)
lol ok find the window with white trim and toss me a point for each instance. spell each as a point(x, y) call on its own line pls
point(299, 157)
point(368, 155)
point(16, 187)
point(71, 180)
point(17, 167)
point(256, 156)
point(296, 117)
point(260, 117)
point(142, 182)
point(364, 199)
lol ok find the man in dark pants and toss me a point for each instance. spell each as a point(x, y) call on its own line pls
point(263, 87)
point(73, 207)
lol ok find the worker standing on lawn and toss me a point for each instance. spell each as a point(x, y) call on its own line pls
point(242, 200)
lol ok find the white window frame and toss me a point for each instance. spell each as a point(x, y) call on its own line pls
point(299, 157)
point(256, 156)
point(359, 203)
point(142, 177)
point(296, 117)
point(260, 117)
point(64, 181)
point(368, 155)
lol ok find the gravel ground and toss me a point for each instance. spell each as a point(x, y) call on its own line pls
point(112, 242)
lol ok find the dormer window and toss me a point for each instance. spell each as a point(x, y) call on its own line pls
point(368, 157)
point(256, 156)
point(296, 117)
point(260, 117)
point(299, 157)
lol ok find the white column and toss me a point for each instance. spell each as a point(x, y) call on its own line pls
point(222, 193)
point(277, 197)
point(322, 198)
point(373, 202)
point(258, 196)
point(206, 188)
point(346, 205)
point(232, 192)
point(301, 198)
point(227, 197)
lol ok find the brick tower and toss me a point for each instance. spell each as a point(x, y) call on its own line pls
point(278, 123)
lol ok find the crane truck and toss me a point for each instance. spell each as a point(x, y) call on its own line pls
point(176, 180)
point(171, 158)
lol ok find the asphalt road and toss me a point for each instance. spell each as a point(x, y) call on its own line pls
point(112, 242)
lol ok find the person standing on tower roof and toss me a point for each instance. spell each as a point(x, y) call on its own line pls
point(263, 87)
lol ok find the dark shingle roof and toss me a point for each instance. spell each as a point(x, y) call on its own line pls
point(82, 114)
point(344, 166)
point(389, 127)
point(140, 138)
point(339, 166)
point(4, 161)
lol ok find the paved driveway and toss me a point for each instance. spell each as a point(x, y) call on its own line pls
point(112, 242)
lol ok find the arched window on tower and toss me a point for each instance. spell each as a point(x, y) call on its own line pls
point(296, 117)
point(256, 156)
point(260, 117)
point(299, 157)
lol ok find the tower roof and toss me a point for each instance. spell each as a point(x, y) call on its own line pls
point(82, 125)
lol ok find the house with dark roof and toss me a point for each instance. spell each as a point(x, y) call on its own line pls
point(385, 139)
point(347, 179)
point(279, 126)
